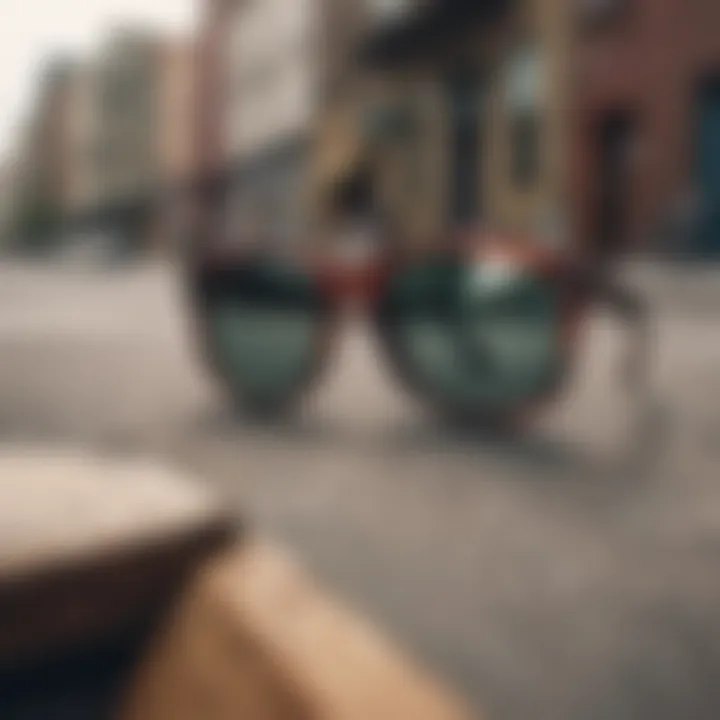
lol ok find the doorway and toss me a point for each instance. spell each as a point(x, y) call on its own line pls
point(708, 167)
point(464, 100)
point(616, 137)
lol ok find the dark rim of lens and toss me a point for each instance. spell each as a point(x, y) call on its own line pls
point(408, 374)
point(214, 285)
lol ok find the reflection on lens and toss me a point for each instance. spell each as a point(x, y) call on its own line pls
point(482, 337)
point(263, 327)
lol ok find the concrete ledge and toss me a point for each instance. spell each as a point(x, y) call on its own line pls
point(93, 548)
point(255, 638)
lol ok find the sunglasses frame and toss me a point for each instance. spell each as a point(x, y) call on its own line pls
point(369, 283)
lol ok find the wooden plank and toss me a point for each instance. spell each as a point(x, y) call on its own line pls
point(256, 638)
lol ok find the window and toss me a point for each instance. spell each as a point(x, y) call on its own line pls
point(594, 14)
point(525, 79)
point(524, 91)
point(390, 11)
point(524, 139)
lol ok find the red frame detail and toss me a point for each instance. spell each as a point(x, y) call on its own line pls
point(368, 283)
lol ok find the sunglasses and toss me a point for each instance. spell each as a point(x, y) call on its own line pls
point(483, 331)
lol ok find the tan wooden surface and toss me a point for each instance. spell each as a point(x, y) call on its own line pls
point(256, 638)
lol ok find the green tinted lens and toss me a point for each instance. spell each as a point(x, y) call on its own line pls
point(263, 324)
point(480, 336)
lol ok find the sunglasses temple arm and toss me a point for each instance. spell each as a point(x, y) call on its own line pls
point(632, 308)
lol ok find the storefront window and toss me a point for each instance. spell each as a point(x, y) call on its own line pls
point(390, 11)
point(598, 14)
point(390, 122)
point(525, 136)
point(524, 97)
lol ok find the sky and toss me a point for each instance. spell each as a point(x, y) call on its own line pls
point(31, 31)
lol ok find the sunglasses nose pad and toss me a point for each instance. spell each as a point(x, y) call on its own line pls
point(353, 278)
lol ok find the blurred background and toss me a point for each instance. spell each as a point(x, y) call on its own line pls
point(544, 575)
point(564, 119)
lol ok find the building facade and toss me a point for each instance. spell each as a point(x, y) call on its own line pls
point(469, 117)
point(648, 101)
point(142, 107)
point(175, 137)
point(128, 158)
point(108, 144)
point(42, 174)
point(272, 83)
point(79, 123)
point(8, 204)
point(460, 109)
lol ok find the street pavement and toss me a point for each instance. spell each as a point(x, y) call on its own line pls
point(569, 575)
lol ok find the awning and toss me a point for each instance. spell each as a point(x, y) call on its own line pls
point(427, 30)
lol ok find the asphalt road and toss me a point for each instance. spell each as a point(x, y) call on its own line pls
point(560, 577)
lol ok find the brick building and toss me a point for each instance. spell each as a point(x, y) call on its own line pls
point(142, 147)
point(175, 139)
point(600, 121)
point(79, 136)
point(8, 202)
point(128, 156)
point(647, 95)
point(42, 179)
